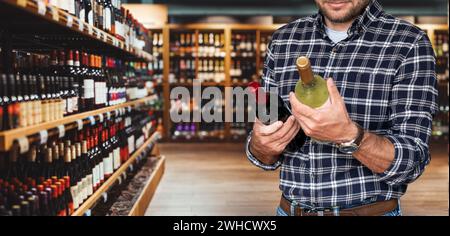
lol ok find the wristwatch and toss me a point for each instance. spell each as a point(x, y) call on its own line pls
point(352, 146)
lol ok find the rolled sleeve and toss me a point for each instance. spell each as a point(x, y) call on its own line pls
point(413, 106)
point(255, 160)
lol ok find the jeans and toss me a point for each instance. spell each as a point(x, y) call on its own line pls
point(396, 212)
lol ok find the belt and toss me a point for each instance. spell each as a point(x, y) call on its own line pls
point(373, 209)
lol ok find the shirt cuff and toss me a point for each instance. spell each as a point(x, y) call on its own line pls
point(409, 162)
point(255, 160)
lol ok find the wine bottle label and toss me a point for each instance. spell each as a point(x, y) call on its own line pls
point(31, 112)
point(116, 158)
point(90, 188)
point(80, 192)
point(107, 17)
point(102, 171)
point(91, 17)
point(73, 191)
point(95, 176)
point(36, 112)
point(88, 88)
point(45, 111)
point(75, 104)
point(131, 144)
point(82, 15)
point(108, 164)
point(65, 107)
point(23, 114)
point(69, 105)
point(98, 93)
point(85, 186)
point(62, 108)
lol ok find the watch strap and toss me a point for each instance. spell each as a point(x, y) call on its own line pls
point(360, 135)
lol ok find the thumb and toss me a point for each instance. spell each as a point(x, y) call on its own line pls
point(335, 96)
point(270, 129)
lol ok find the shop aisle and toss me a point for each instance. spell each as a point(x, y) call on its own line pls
point(217, 179)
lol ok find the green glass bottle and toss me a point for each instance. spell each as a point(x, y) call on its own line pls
point(311, 89)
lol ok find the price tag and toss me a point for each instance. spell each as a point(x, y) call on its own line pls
point(24, 145)
point(80, 124)
point(100, 117)
point(92, 120)
point(99, 35)
point(119, 179)
point(22, 3)
point(69, 21)
point(61, 131)
point(44, 136)
point(87, 212)
point(55, 14)
point(42, 8)
point(129, 108)
point(108, 115)
point(131, 167)
point(80, 25)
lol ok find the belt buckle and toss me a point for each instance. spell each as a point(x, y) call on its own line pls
point(322, 211)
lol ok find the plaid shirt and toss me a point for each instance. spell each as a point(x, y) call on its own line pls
point(385, 72)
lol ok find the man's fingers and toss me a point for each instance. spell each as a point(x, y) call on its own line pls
point(299, 108)
point(291, 133)
point(269, 129)
point(288, 125)
point(335, 96)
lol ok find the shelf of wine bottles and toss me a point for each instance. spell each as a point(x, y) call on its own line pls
point(442, 55)
point(57, 176)
point(243, 57)
point(40, 88)
point(127, 195)
point(157, 62)
point(265, 38)
point(102, 26)
point(182, 56)
point(211, 56)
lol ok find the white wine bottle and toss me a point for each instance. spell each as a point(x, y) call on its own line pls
point(311, 89)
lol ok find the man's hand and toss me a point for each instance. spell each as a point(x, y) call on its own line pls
point(269, 141)
point(330, 122)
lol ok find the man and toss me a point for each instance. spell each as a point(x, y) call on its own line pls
point(382, 88)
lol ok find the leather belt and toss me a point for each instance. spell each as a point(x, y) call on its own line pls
point(372, 209)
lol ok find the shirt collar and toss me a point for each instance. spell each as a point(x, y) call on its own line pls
point(360, 24)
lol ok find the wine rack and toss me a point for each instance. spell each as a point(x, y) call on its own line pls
point(24, 19)
point(35, 27)
point(84, 208)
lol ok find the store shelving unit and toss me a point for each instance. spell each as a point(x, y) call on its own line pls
point(150, 187)
point(24, 19)
point(37, 27)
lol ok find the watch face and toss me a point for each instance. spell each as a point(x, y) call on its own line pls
point(348, 149)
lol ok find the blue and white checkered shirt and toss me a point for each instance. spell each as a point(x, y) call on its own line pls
point(385, 72)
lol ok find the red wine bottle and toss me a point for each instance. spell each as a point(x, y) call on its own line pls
point(284, 111)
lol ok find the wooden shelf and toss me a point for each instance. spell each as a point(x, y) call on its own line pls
point(7, 137)
point(109, 182)
point(57, 28)
point(140, 206)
